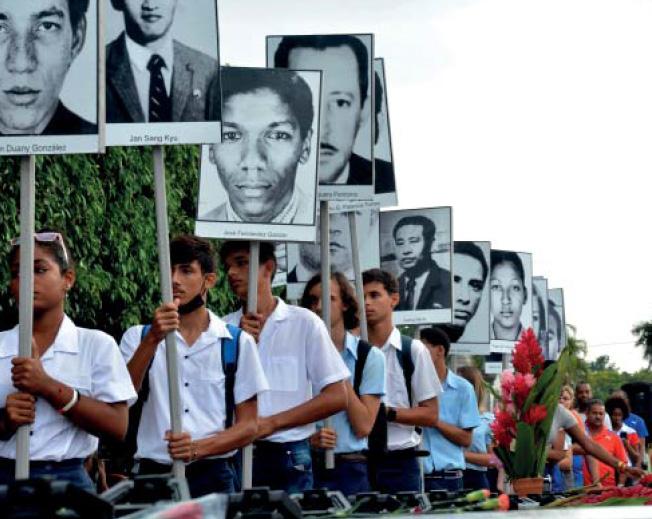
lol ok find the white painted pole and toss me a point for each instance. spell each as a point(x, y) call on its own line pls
point(26, 293)
point(357, 273)
point(162, 233)
point(324, 228)
point(252, 306)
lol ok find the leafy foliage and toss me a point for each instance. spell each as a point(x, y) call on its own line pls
point(105, 207)
point(643, 333)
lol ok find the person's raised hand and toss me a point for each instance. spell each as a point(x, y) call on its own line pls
point(28, 375)
point(166, 320)
point(20, 409)
point(252, 324)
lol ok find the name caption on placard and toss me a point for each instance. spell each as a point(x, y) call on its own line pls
point(26, 149)
point(251, 234)
point(153, 139)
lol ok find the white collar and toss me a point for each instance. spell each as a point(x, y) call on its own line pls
point(65, 341)
point(394, 340)
point(140, 56)
point(351, 343)
point(216, 327)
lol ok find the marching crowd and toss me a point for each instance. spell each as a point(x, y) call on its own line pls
point(400, 418)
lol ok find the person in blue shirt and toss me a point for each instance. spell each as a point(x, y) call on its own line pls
point(350, 428)
point(458, 416)
point(479, 455)
point(637, 423)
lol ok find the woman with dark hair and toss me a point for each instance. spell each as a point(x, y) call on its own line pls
point(618, 410)
point(350, 428)
point(508, 295)
point(74, 387)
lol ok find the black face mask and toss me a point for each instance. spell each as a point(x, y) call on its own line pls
point(192, 305)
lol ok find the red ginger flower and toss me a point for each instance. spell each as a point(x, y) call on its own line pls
point(522, 386)
point(504, 428)
point(527, 356)
point(535, 414)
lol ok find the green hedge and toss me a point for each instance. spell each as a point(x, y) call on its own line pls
point(105, 206)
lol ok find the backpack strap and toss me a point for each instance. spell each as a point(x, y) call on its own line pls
point(230, 354)
point(405, 360)
point(363, 352)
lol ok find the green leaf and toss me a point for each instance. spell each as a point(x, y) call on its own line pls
point(524, 462)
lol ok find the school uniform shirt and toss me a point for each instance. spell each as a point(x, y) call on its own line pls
point(299, 360)
point(482, 437)
point(201, 381)
point(86, 360)
point(372, 383)
point(638, 424)
point(458, 407)
point(425, 385)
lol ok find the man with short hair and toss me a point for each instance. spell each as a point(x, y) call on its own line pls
point(470, 271)
point(345, 62)
point(305, 372)
point(458, 416)
point(151, 77)
point(208, 440)
point(423, 285)
point(609, 441)
point(266, 134)
point(412, 388)
point(583, 396)
point(38, 43)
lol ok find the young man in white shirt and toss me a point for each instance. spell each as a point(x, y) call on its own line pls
point(408, 405)
point(304, 371)
point(207, 442)
point(350, 428)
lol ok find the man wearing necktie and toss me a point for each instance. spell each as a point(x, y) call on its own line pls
point(152, 77)
point(423, 285)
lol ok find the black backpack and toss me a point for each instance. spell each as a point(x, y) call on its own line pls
point(121, 453)
point(377, 439)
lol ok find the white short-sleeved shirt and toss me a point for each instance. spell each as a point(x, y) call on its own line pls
point(425, 385)
point(297, 355)
point(201, 386)
point(87, 360)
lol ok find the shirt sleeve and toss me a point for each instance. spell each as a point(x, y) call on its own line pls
point(250, 379)
point(373, 374)
point(324, 363)
point(641, 428)
point(425, 382)
point(111, 381)
point(566, 419)
point(130, 342)
point(469, 416)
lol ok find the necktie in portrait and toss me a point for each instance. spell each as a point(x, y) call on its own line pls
point(160, 107)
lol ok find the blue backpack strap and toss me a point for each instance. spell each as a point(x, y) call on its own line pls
point(230, 354)
point(405, 360)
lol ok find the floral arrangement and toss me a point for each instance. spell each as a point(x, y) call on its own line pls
point(636, 495)
point(527, 402)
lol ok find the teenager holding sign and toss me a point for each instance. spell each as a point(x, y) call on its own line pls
point(75, 386)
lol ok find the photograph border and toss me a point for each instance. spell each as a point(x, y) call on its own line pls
point(386, 200)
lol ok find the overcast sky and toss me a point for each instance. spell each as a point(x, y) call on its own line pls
point(533, 119)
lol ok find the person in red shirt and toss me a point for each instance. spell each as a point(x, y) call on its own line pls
point(609, 441)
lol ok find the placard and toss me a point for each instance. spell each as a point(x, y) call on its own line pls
point(49, 79)
point(162, 73)
point(346, 138)
point(304, 260)
point(540, 313)
point(510, 285)
point(384, 172)
point(416, 246)
point(556, 321)
point(260, 182)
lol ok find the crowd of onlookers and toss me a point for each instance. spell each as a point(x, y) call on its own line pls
point(394, 414)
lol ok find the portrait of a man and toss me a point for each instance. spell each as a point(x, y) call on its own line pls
point(340, 247)
point(152, 77)
point(267, 133)
point(346, 63)
point(385, 182)
point(39, 41)
point(423, 284)
point(470, 273)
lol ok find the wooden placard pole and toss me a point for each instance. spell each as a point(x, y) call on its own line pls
point(252, 306)
point(163, 239)
point(324, 229)
point(357, 274)
point(26, 292)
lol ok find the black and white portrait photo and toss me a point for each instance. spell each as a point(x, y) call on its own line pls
point(162, 72)
point(416, 246)
point(540, 313)
point(510, 285)
point(48, 77)
point(304, 259)
point(346, 140)
point(260, 182)
point(385, 181)
point(469, 330)
point(556, 322)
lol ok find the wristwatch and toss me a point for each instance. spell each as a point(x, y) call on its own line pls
point(391, 414)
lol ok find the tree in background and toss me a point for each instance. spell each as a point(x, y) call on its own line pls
point(643, 333)
point(105, 206)
point(577, 368)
